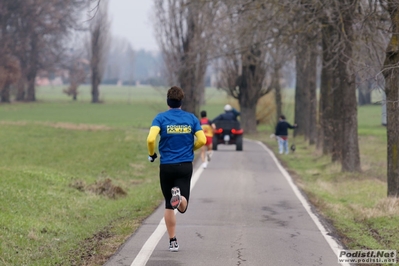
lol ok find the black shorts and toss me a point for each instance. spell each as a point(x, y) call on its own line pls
point(175, 175)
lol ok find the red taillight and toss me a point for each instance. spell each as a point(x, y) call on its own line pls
point(237, 132)
point(219, 130)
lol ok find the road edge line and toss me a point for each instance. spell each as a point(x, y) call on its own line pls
point(148, 248)
point(334, 245)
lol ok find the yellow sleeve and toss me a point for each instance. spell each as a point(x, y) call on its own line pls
point(152, 136)
point(201, 139)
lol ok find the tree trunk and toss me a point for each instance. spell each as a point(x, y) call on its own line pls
point(248, 98)
point(32, 69)
point(326, 87)
point(312, 76)
point(95, 92)
point(5, 94)
point(191, 102)
point(350, 147)
point(248, 117)
point(391, 75)
point(31, 95)
point(302, 104)
point(337, 135)
point(277, 92)
point(392, 81)
point(21, 84)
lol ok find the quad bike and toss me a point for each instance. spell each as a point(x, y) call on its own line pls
point(228, 133)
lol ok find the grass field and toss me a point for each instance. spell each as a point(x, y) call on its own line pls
point(75, 180)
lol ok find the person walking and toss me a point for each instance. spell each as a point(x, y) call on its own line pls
point(206, 150)
point(281, 134)
point(177, 144)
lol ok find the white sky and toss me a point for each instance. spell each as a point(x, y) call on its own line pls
point(131, 20)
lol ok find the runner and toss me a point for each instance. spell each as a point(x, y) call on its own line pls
point(207, 127)
point(176, 147)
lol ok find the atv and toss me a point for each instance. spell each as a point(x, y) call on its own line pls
point(229, 133)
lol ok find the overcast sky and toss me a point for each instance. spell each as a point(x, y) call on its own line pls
point(131, 20)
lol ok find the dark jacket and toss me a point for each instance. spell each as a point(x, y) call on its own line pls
point(228, 115)
point(282, 128)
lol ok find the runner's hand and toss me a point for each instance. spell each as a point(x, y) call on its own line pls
point(152, 158)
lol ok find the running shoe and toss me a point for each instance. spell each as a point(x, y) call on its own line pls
point(176, 198)
point(173, 245)
point(208, 156)
point(204, 165)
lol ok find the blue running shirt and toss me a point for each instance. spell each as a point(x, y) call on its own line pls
point(178, 128)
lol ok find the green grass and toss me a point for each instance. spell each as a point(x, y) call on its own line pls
point(44, 217)
point(53, 158)
point(120, 94)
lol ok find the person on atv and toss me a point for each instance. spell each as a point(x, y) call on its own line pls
point(229, 114)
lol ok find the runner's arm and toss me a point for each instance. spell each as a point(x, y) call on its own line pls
point(152, 136)
point(201, 139)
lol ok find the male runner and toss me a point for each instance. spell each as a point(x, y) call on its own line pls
point(177, 129)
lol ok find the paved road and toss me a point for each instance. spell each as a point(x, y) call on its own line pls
point(242, 211)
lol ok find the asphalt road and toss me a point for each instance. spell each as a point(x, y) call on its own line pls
point(242, 211)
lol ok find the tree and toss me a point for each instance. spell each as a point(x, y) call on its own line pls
point(249, 55)
point(391, 74)
point(184, 33)
point(77, 72)
point(307, 41)
point(37, 31)
point(99, 38)
point(305, 88)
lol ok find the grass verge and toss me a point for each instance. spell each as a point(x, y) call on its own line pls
point(355, 203)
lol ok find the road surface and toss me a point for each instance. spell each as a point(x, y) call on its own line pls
point(243, 210)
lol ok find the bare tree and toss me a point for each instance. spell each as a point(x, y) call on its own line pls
point(246, 63)
point(75, 61)
point(38, 29)
point(99, 38)
point(77, 71)
point(184, 33)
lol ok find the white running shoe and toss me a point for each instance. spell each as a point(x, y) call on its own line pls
point(204, 165)
point(208, 156)
point(176, 198)
point(173, 245)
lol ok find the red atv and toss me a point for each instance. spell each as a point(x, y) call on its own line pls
point(228, 133)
